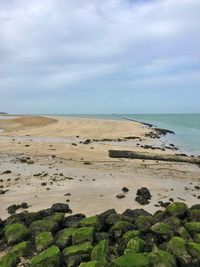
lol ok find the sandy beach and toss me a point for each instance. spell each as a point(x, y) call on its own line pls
point(59, 159)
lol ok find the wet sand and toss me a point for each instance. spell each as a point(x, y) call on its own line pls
point(84, 170)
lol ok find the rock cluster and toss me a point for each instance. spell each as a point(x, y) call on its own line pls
point(135, 238)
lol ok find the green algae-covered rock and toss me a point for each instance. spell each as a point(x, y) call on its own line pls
point(194, 215)
point(21, 249)
point(47, 258)
point(120, 228)
point(57, 217)
point(90, 264)
point(9, 260)
point(173, 222)
point(91, 222)
point(83, 248)
point(177, 209)
point(144, 223)
point(194, 250)
point(100, 252)
point(197, 238)
point(182, 232)
point(160, 258)
point(136, 245)
point(15, 233)
point(160, 228)
point(129, 235)
point(43, 240)
point(177, 247)
point(63, 238)
point(44, 225)
point(83, 234)
point(132, 260)
point(193, 227)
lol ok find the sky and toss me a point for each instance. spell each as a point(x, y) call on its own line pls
point(99, 56)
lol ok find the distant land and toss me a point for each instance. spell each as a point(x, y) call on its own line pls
point(3, 113)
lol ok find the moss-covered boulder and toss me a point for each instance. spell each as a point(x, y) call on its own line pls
point(9, 260)
point(100, 252)
point(90, 264)
point(74, 255)
point(129, 235)
point(182, 232)
point(177, 209)
point(161, 228)
point(194, 215)
point(144, 223)
point(193, 227)
point(93, 221)
point(160, 258)
point(83, 234)
point(45, 225)
point(136, 245)
point(47, 258)
point(120, 228)
point(57, 217)
point(21, 249)
point(177, 247)
point(197, 238)
point(14, 233)
point(43, 240)
point(64, 237)
point(132, 260)
point(173, 222)
point(194, 250)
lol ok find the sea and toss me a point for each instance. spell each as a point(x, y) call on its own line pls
point(185, 126)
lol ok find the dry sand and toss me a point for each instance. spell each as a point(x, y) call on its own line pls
point(94, 187)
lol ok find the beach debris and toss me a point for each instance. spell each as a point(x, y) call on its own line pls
point(143, 196)
point(120, 196)
point(87, 163)
point(87, 141)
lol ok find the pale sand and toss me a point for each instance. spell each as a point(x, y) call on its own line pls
point(54, 135)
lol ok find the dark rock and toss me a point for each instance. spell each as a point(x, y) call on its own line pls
point(61, 207)
point(143, 196)
point(125, 189)
point(12, 209)
point(134, 214)
point(72, 220)
point(6, 172)
point(87, 141)
point(120, 196)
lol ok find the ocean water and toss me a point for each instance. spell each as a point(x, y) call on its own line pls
point(185, 126)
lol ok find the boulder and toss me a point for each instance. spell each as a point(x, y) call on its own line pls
point(45, 225)
point(9, 260)
point(177, 209)
point(120, 228)
point(160, 258)
point(93, 221)
point(182, 232)
point(160, 228)
point(194, 215)
point(83, 234)
point(194, 250)
point(129, 235)
point(43, 240)
point(193, 227)
point(132, 260)
point(64, 237)
point(100, 253)
point(47, 258)
point(14, 233)
point(135, 245)
point(144, 223)
point(72, 220)
point(134, 214)
point(90, 264)
point(61, 207)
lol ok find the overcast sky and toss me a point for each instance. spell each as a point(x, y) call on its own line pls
point(99, 56)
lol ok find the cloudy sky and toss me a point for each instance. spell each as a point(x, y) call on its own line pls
point(99, 56)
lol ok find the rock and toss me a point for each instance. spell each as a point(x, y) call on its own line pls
point(144, 223)
point(135, 245)
point(177, 209)
point(194, 250)
point(132, 260)
point(193, 227)
point(9, 260)
point(72, 220)
point(120, 196)
point(130, 235)
point(12, 209)
point(45, 225)
point(74, 255)
point(160, 258)
point(14, 233)
point(177, 247)
point(61, 207)
point(182, 232)
point(125, 189)
point(161, 228)
point(43, 241)
point(195, 207)
point(64, 238)
point(87, 141)
point(47, 258)
point(7, 172)
point(104, 216)
point(83, 234)
point(120, 228)
point(143, 196)
point(101, 253)
point(173, 222)
point(134, 214)
point(93, 221)
point(194, 215)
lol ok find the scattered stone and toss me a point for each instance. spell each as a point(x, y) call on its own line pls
point(120, 196)
point(143, 196)
point(125, 189)
point(7, 172)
